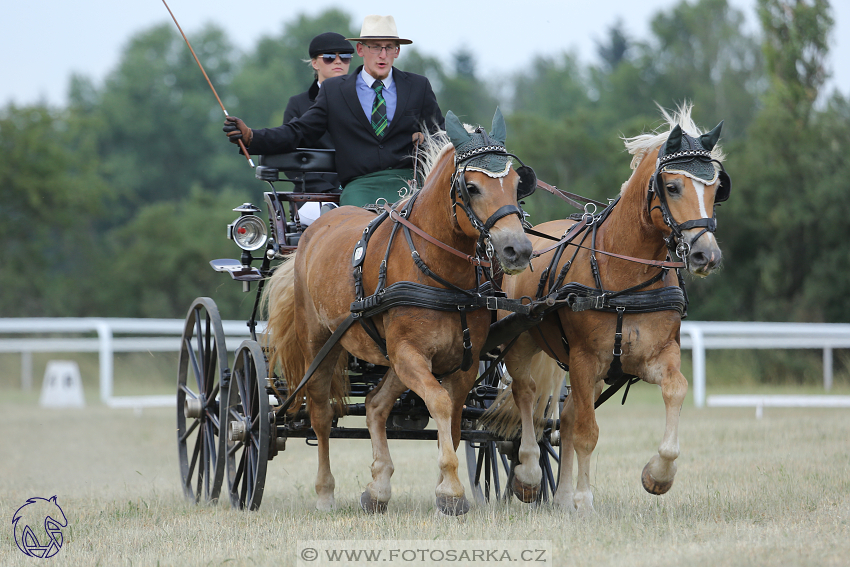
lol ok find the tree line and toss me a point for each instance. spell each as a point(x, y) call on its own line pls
point(114, 204)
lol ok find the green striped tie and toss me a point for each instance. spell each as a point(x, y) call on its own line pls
point(379, 110)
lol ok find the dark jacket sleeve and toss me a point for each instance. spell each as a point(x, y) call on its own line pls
point(285, 138)
point(291, 112)
point(431, 113)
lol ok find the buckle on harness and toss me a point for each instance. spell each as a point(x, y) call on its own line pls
point(600, 301)
point(494, 304)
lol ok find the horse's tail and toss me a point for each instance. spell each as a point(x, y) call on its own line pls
point(285, 349)
point(503, 417)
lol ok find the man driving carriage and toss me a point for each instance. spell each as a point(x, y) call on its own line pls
point(374, 117)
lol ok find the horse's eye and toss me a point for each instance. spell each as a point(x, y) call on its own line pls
point(673, 188)
point(472, 189)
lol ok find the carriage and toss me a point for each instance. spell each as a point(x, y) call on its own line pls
point(615, 320)
point(228, 409)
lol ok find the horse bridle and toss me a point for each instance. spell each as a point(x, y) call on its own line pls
point(527, 185)
point(676, 242)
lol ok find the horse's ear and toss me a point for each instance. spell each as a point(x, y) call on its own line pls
point(674, 141)
point(709, 140)
point(499, 131)
point(457, 133)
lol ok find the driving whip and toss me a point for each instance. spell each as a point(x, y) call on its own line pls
point(241, 144)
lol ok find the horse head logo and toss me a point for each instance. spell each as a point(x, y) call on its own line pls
point(38, 527)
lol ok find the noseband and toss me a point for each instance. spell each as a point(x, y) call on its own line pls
point(676, 242)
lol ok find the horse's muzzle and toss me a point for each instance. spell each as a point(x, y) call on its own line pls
point(513, 250)
point(704, 256)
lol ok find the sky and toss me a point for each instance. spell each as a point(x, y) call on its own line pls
point(43, 44)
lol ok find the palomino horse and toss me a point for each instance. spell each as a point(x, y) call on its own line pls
point(419, 337)
point(676, 177)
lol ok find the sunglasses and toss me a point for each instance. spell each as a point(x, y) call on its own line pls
point(329, 58)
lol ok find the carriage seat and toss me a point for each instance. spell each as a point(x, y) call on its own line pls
point(302, 160)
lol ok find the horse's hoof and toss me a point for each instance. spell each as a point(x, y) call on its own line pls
point(452, 505)
point(653, 486)
point(525, 492)
point(370, 505)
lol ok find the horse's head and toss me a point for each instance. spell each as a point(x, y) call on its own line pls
point(487, 189)
point(687, 183)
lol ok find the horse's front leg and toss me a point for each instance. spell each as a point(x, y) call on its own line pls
point(415, 371)
point(565, 494)
point(379, 403)
point(527, 474)
point(659, 472)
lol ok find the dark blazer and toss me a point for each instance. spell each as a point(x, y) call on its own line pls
point(337, 111)
point(313, 182)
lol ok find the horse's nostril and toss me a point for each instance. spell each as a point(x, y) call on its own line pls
point(699, 259)
point(510, 253)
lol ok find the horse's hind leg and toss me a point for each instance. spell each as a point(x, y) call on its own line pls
point(659, 472)
point(321, 419)
point(379, 402)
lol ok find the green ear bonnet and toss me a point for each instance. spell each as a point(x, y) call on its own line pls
point(479, 151)
point(689, 156)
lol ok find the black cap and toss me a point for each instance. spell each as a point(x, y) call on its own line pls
point(329, 42)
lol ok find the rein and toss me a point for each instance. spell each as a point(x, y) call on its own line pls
point(397, 217)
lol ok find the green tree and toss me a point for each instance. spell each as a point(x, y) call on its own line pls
point(158, 124)
point(276, 70)
point(795, 46)
point(786, 224)
point(50, 194)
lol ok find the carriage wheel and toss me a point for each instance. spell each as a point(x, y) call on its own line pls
point(202, 369)
point(248, 422)
point(491, 463)
point(489, 471)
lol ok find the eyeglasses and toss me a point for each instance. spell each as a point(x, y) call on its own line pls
point(376, 49)
point(329, 58)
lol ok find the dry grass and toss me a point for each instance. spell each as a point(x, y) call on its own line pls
point(774, 491)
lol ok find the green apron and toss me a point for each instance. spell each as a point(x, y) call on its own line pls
point(367, 189)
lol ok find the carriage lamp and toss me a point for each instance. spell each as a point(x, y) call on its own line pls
point(248, 231)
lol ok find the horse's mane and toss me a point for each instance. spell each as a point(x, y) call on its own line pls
point(433, 148)
point(641, 145)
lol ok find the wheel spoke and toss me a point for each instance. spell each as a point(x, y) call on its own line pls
point(209, 358)
point(195, 452)
point(200, 472)
point(189, 392)
point(190, 430)
point(194, 361)
point(551, 450)
point(211, 444)
point(235, 448)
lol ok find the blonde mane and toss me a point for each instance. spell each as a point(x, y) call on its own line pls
point(641, 145)
point(432, 150)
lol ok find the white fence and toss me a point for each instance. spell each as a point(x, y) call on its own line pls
point(163, 335)
point(145, 335)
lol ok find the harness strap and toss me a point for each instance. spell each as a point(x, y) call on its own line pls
point(320, 356)
point(395, 216)
point(570, 198)
point(616, 378)
point(571, 233)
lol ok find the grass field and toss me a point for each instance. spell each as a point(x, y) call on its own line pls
point(774, 491)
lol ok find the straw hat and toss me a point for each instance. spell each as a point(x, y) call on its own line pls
point(379, 27)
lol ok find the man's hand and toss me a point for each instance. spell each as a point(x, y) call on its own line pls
point(237, 130)
point(418, 138)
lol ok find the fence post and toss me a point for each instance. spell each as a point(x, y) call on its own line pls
point(827, 368)
point(698, 357)
point(26, 371)
point(104, 333)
